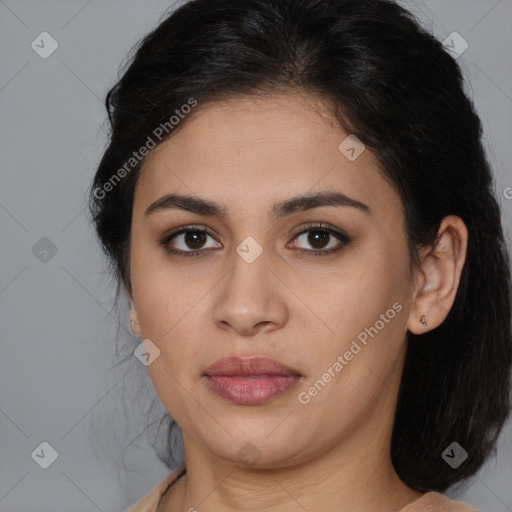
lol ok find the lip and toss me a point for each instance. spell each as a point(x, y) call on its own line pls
point(250, 381)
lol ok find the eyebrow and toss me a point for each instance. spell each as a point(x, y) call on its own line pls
point(279, 210)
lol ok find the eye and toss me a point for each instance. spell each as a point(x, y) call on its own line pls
point(190, 240)
point(320, 237)
point(188, 236)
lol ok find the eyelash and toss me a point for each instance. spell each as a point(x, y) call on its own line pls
point(344, 239)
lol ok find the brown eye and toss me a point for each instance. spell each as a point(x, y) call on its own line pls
point(194, 239)
point(187, 241)
point(190, 241)
point(318, 238)
point(322, 239)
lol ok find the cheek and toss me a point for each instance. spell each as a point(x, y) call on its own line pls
point(366, 314)
point(355, 366)
point(163, 293)
point(169, 314)
point(371, 281)
point(171, 309)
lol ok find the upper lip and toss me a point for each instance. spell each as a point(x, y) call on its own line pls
point(247, 366)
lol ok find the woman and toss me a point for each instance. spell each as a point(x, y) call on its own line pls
point(296, 199)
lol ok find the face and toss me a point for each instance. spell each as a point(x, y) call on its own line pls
point(320, 286)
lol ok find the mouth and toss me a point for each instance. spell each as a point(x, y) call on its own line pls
point(250, 381)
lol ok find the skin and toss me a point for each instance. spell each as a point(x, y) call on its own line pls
point(304, 311)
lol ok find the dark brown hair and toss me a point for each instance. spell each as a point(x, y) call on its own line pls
point(397, 89)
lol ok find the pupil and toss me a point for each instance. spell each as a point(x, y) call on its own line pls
point(194, 239)
point(316, 237)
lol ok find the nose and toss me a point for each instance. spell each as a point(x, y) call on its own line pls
point(250, 298)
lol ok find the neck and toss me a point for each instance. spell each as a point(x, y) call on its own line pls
point(360, 480)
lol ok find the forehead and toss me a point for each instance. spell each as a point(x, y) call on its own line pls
point(257, 151)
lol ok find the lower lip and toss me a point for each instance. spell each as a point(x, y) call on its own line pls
point(254, 390)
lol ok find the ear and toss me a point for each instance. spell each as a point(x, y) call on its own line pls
point(134, 318)
point(437, 281)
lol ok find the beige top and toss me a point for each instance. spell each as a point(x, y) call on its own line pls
point(429, 502)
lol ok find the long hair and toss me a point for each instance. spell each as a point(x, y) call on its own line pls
point(394, 86)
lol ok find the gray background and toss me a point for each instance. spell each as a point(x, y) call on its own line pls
point(58, 323)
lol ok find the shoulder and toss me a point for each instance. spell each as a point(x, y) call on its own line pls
point(437, 502)
point(149, 502)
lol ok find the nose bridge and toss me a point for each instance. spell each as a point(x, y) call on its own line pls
point(249, 268)
point(247, 297)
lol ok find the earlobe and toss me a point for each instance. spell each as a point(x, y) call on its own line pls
point(134, 320)
point(439, 276)
point(427, 282)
